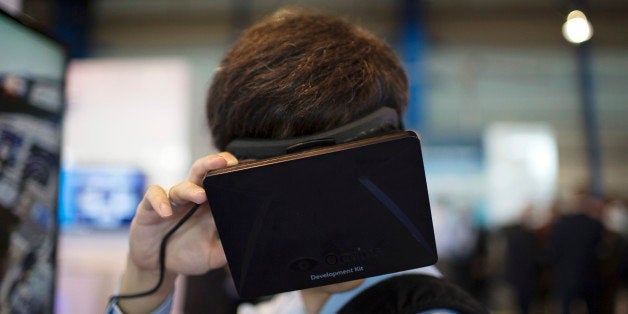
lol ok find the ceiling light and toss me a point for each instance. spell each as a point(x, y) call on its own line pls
point(577, 28)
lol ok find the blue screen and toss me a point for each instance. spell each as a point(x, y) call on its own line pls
point(99, 197)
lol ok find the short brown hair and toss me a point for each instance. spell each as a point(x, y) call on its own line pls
point(297, 73)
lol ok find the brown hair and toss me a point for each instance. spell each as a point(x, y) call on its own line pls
point(298, 73)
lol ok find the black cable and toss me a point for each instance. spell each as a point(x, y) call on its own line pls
point(162, 261)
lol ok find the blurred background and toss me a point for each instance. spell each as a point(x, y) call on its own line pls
point(524, 127)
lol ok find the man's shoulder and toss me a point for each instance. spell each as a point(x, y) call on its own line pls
point(413, 293)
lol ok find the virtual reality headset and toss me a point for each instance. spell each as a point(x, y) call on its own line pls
point(340, 205)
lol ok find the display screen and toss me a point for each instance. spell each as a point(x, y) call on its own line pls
point(99, 197)
point(32, 72)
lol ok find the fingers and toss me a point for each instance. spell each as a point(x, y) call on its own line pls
point(190, 191)
point(185, 193)
point(156, 200)
point(231, 160)
point(211, 162)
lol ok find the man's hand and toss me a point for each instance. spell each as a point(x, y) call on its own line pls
point(194, 249)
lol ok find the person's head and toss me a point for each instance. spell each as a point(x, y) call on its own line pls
point(297, 73)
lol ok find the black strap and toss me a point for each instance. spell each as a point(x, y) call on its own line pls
point(378, 122)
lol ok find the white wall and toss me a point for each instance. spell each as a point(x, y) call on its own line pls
point(129, 112)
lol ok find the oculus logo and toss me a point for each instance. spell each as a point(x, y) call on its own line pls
point(346, 258)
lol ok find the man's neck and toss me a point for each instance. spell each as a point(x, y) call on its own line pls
point(314, 299)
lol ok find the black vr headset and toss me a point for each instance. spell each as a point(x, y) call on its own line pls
point(340, 205)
